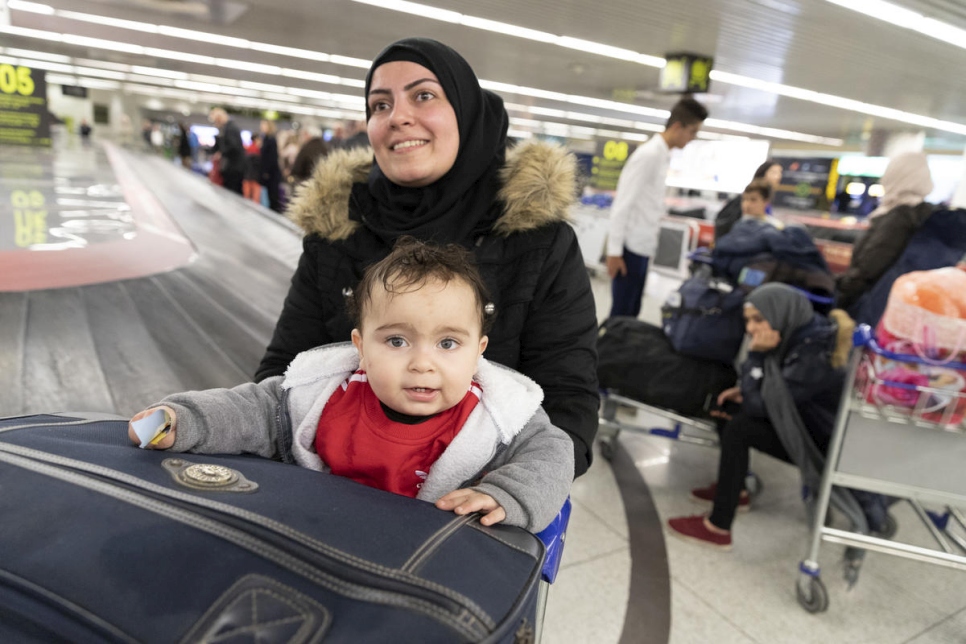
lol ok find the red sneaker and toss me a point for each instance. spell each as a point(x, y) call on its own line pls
point(693, 529)
point(706, 495)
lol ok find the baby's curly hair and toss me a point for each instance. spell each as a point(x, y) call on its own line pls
point(410, 265)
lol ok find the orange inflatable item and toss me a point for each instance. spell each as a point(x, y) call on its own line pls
point(928, 308)
point(941, 291)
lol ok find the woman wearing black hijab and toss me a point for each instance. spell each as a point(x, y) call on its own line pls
point(439, 169)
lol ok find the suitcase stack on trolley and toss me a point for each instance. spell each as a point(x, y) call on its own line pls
point(101, 541)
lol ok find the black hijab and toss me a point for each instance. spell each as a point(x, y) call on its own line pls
point(462, 203)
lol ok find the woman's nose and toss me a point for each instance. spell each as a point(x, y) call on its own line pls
point(402, 114)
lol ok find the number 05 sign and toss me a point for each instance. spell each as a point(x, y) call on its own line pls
point(24, 119)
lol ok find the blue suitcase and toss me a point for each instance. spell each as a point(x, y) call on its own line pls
point(103, 542)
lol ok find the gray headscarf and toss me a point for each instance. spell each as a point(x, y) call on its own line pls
point(787, 310)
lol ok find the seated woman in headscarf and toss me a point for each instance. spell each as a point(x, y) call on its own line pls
point(786, 402)
point(440, 169)
point(901, 212)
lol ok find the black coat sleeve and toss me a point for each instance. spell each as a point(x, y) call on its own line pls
point(558, 345)
point(806, 372)
point(300, 326)
point(878, 249)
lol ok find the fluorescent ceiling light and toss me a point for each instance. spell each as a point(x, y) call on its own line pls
point(508, 29)
point(907, 19)
point(214, 39)
point(31, 33)
point(109, 22)
point(416, 9)
point(100, 43)
point(32, 7)
point(154, 71)
point(258, 68)
point(38, 55)
point(289, 51)
point(179, 55)
point(99, 73)
point(349, 61)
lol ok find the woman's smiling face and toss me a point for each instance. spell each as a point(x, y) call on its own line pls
point(412, 125)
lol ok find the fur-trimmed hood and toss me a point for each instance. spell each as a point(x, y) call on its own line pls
point(538, 187)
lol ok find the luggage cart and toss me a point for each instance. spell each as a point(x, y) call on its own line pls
point(903, 439)
point(687, 429)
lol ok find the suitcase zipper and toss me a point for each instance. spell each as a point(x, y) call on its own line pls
point(371, 583)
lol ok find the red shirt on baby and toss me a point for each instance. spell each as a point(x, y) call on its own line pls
point(357, 440)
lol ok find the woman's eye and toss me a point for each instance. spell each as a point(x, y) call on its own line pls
point(396, 342)
point(378, 106)
point(448, 344)
point(424, 95)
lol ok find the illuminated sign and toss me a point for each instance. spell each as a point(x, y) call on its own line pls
point(607, 164)
point(24, 119)
point(686, 73)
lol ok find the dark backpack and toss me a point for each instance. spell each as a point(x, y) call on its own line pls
point(704, 318)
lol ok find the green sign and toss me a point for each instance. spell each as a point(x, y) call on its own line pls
point(24, 119)
point(686, 74)
point(607, 164)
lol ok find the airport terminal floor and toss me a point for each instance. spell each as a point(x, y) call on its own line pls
point(144, 279)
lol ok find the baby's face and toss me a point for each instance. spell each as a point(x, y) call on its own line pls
point(420, 348)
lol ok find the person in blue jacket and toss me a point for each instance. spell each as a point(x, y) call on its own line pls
point(793, 379)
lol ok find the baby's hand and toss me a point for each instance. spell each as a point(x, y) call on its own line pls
point(166, 441)
point(466, 501)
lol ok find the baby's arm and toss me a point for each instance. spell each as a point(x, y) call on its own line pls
point(243, 419)
point(466, 500)
point(532, 479)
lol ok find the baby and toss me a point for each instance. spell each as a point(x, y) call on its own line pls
point(410, 406)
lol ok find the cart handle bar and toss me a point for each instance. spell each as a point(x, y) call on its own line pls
point(864, 338)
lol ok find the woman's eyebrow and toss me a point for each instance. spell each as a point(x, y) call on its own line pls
point(406, 88)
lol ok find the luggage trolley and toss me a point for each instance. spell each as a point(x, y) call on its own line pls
point(900, 438)
point(687, 429)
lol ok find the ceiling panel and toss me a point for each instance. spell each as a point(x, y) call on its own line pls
point(809, 44)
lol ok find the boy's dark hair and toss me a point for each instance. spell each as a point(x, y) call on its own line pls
point(687, 111)
point(761, 186)
point(411, 264)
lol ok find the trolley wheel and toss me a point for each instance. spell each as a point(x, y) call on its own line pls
point(889, 528)
point(812, 594)
point(753, 484)
point(607, 448)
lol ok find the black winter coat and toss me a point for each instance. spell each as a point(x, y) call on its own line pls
point(815, 386)
point(879, 248)
point(546, 322)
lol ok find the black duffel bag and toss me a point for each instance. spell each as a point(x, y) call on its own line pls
point(637, 360)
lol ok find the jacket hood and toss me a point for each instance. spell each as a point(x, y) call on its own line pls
point(833, 332)
point(538, 187)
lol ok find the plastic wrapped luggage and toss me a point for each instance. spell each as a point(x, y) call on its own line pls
point(101, 541)
point(638, 361)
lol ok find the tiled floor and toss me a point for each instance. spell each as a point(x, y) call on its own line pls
point(746, 595)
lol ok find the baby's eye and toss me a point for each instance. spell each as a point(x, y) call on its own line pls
point(396, 341)
point(448, 344)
